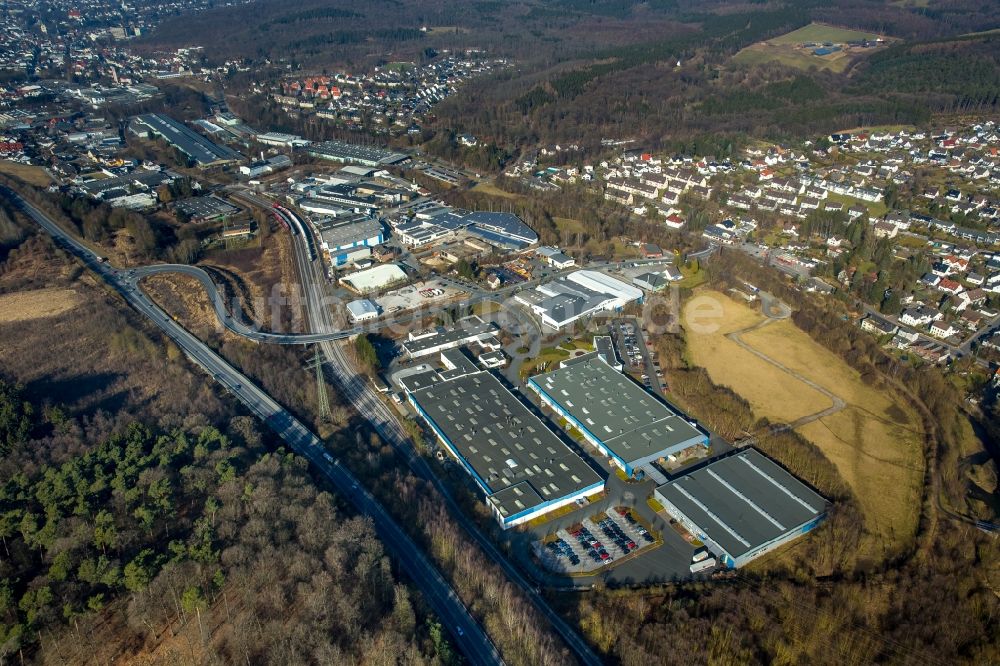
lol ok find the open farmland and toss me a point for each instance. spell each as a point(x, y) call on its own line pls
point(820, 33)
point(797, 48)
point(874, 441)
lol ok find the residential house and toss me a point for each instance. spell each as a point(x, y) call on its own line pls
point(878, 325)
point(941, 329)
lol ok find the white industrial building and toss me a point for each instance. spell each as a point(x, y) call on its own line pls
point(362, 310)
point(375, 278)
point(435, 222)
point(465, 332)
point(578, 295)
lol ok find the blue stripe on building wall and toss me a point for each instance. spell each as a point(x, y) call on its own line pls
point(539, 508)
point(479, 481)
point(447, 442)
point(594, 440)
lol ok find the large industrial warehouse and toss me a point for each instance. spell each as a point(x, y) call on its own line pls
point(742, 506)
point(340, 236)
point(466, 331)
point(580, 294)
point(341, 151)
point(616, 415)
point(523, 468)
point(205, 153)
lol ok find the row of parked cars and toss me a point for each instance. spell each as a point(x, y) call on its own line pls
point(615, 533)
point(563, 549)
point(632, 351)
point(592, 547)
point(630, 519)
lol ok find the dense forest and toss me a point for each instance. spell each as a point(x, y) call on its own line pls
point(144, 517)
point(657, 72)
point(176, 525)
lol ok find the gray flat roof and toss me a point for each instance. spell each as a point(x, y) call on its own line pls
point(189, 142)
point(347, 233)
point(743, 501)
point(149, 179)
point(457, 363)
point(518, 461)
point(352, 152)
point(464, 330)
point(627, 419)
point(206, 207)
point(605, 347)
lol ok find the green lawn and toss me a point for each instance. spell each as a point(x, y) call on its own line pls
point(878, 208)
point(818, 32)
point(787, 50)
point(547, 359)
point(692, 278)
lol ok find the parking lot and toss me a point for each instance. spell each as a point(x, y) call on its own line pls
point(635, 355)
point(417, 295)
point(594, 543)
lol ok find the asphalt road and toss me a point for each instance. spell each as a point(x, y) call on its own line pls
point(470, 638)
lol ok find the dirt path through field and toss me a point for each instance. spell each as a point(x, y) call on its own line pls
point(837, 402)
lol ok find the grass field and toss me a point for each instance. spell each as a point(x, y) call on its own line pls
point(787, 49)
point(875, 442)
point(877, 208)
point(771, 392)
point(36, 304)
point(692, 277)
point(819, 32)
point(33, 175)
point(493, 190)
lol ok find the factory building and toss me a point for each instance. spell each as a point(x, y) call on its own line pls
point(580, 294)
point(374, 279)
point(362, 310)
point(341, 151)
point(742, 506)
point(504, 230)
point(615, 415)
point(341, 237)
point(206, 209)
point(203, 152)
point(521, 466)
point(465, 332)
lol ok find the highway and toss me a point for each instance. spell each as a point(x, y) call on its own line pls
point(467, 634)
point(355, 388)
